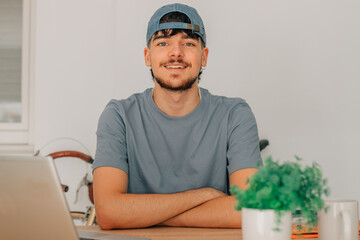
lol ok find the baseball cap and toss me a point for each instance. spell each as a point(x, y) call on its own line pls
point(196, 25)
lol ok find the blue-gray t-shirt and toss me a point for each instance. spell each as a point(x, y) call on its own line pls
point(163, 154)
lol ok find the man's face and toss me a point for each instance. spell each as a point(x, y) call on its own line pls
point(175, 60)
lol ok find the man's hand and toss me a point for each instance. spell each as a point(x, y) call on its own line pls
point(218, 212)
point(210, 193)
point(117, 209)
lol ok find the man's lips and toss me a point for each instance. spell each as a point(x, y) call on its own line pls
point(175, 67)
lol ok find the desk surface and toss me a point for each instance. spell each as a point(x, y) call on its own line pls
point(177, 233)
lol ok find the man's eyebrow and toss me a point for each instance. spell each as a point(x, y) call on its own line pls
point(185, 36)
point(159, 37)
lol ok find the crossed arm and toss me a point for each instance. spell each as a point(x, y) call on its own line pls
point(205, 207)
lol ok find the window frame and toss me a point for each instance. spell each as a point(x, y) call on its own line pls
point(18, 137)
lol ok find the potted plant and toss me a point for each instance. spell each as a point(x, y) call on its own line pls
point(274, 193)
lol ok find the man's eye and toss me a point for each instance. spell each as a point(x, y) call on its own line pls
point(189, 44)
point(162, 44)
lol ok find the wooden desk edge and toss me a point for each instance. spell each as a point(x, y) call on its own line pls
point(176, 233)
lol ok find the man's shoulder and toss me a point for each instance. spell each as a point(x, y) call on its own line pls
point(233, 108)
point(224, 101)
point(133, 100)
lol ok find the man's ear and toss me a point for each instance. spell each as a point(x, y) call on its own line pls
point(147, 57)
point(205, 53)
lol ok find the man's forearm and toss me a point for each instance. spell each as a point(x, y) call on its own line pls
point(143, 210)
point(219, 212)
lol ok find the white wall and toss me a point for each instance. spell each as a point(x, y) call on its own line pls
point(297, 63)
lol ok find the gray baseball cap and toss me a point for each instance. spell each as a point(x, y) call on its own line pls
point(196, 25)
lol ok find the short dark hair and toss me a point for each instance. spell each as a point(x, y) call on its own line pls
point(177, 17)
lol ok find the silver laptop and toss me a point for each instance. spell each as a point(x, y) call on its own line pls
point(33, 206)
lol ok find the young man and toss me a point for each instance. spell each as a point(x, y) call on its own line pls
point(168, 155)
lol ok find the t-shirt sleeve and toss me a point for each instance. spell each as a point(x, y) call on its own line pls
point(111, 149)
point(243, 140)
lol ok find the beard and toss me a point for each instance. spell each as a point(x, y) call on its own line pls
point(183, 87)
point(187, 84)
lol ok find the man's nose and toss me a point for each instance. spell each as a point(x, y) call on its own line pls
point(176, 50)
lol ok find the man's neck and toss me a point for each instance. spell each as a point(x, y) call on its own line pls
point(176, 104)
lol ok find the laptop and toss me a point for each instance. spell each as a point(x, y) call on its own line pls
point(33, 205)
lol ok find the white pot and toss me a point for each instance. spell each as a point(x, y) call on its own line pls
point(262, 224)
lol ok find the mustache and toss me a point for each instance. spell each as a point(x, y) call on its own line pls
point(176, 61)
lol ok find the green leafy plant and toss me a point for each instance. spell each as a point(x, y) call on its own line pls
point(284, 187)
